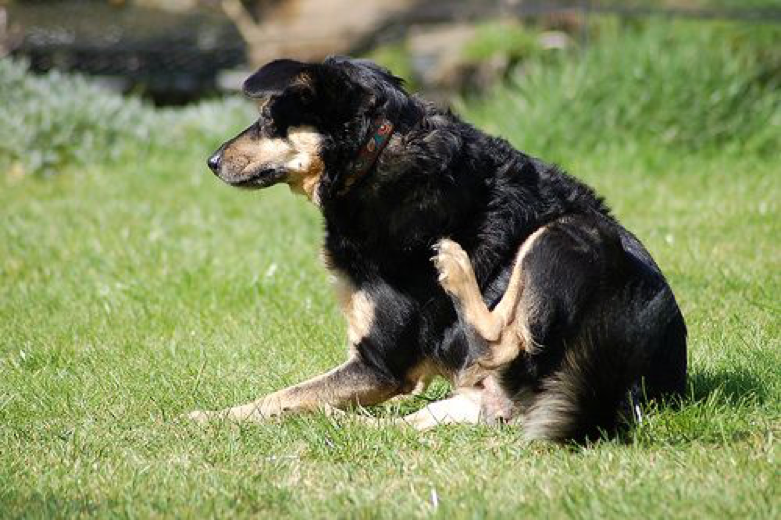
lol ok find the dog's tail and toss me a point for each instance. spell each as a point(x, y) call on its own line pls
point(589, 395)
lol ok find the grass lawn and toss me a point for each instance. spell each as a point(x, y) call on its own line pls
point(133, 293)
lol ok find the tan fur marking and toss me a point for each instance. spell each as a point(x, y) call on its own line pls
point(361, 317)
point(298, 154)
point(303, 80)
point(306, 167)
point(419, 377)
point(237, 155)
point(261, 103)
point(344, 290)
point(356, 305)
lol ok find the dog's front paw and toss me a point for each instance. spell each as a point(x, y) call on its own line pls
point(201, 417)
point(256, 411)
point(453, 265)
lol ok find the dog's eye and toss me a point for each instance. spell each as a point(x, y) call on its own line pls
point(270, 129)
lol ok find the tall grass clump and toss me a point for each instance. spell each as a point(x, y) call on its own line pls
point(62, 121)
point(662, 84)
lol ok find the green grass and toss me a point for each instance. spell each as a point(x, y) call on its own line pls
point(135, 292)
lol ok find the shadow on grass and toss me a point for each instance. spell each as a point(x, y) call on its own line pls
point(730, 387)
point(721, 407)
point(727, 387)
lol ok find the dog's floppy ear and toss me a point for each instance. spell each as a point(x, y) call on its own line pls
point(275, 77)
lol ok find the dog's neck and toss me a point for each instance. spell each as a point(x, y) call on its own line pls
point(381, 132)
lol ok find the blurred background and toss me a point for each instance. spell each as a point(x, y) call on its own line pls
point(177, 51)
point(168, 53)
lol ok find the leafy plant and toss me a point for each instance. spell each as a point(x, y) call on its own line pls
point(668, 84)
point(58, 120)
point(50, 121)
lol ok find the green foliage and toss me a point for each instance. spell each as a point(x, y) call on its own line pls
point(693, 4)
point(679, 85)
point(149, 289)
point(511, 40)
point(50, 121)
point(396, 58)
point(57, 121)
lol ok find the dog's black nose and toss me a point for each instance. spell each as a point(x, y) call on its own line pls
point(214, 161)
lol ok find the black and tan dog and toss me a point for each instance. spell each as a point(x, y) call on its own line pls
point(538, 306)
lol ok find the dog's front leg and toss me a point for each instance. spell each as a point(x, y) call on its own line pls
point(352, 384)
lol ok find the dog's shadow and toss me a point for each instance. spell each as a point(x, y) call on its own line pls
point(730, 387)
point(720, 387)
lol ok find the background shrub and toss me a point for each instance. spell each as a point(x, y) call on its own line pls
point(47, 122)
point(690, 86)
point(694, 87)
point(57, 120)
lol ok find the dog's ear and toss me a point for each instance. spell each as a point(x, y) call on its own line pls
point(331, 90)
point(276, 77)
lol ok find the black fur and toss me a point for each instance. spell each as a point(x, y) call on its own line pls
point(609, 319)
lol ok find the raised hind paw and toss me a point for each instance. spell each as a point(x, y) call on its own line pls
point(453, 266)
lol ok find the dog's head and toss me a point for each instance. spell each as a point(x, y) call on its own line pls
point(313, 120)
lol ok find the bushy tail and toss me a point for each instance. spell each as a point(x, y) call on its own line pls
point(588, 395)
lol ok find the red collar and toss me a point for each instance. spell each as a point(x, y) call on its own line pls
point(369, 152)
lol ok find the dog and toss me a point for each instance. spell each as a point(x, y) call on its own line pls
point(538, 306)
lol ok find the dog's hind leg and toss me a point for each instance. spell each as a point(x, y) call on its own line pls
point(457, 277)
point(484, 402)
point(465, 407)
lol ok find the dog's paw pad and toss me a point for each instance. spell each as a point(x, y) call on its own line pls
point(452, 263)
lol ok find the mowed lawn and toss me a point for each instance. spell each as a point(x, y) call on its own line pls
point(135, 292)
point(133, 295)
